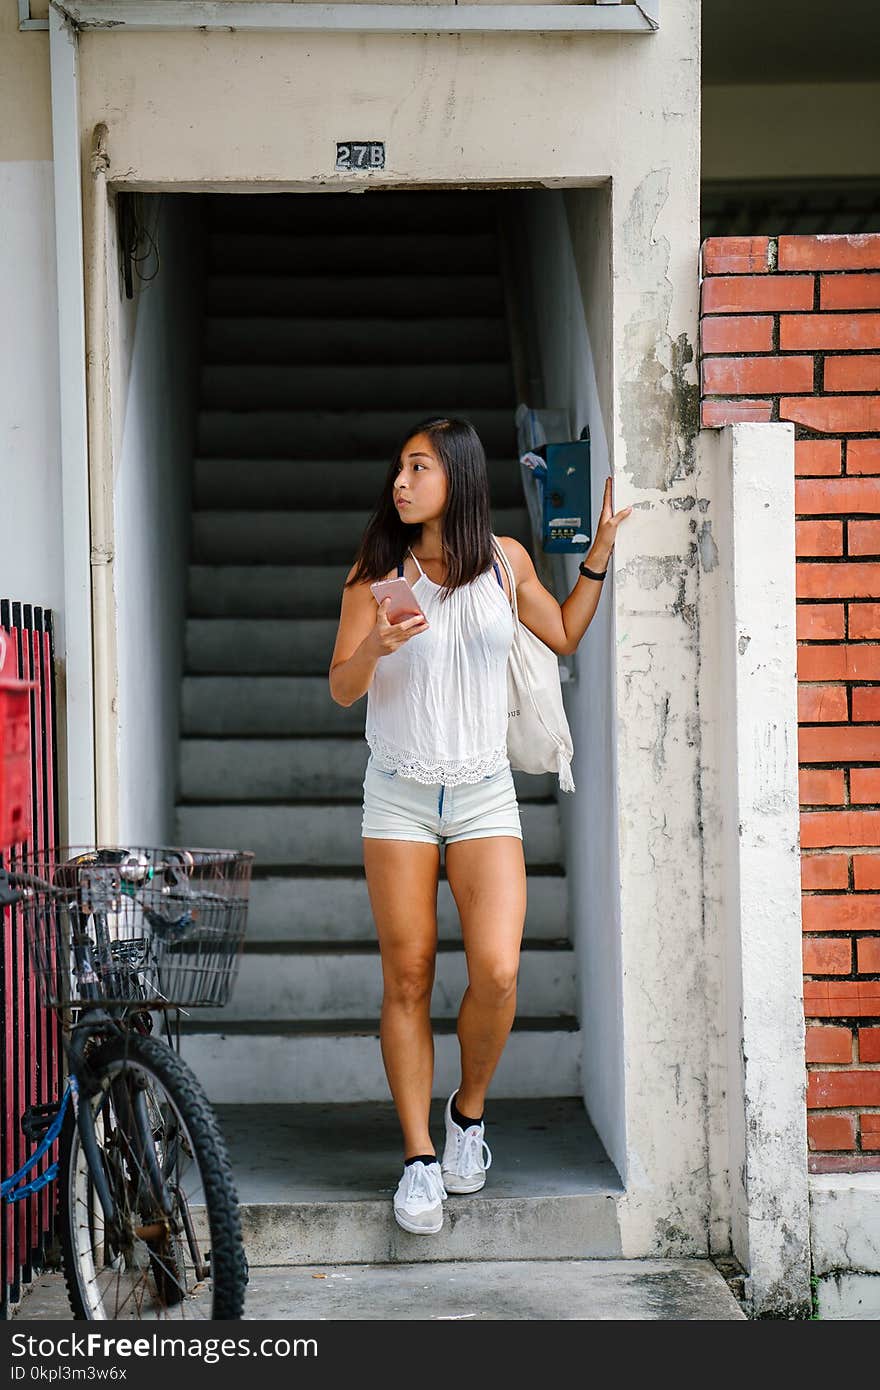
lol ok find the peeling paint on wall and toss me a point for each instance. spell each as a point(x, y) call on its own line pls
point(659, 406)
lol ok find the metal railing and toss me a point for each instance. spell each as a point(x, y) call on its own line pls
point(31, 1055)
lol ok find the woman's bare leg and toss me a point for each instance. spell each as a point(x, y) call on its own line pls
point(402, 880)
point(488, 881)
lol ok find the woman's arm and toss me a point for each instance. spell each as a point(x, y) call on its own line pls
point(561, 626)
point(364, 635)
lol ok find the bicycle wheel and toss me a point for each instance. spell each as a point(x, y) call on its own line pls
point(175, 1248)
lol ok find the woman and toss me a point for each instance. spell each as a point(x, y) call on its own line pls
point(438, 774)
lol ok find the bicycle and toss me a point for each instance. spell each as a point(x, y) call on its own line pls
point(148, 1216)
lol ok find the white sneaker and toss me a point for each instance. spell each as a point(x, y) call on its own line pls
point(418, 1199)
point(466, 1155)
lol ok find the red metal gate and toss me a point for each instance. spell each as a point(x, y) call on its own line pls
point(31, 1062)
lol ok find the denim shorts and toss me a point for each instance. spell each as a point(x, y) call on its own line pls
point(399, 808)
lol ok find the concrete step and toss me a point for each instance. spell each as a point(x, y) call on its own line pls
point(353, 296)
point(276, 537)
point(294, 646)
point(241, 705)
point(352, 253)
point(551, 1190)
point(342, 340)
point(318, 484)
point(391, 210)
point(339, 434)
point(278, 1064)
point(308, 983)
point(265, 591)
point(321, 909)
point(293, 769)
point(526, 1290)
point(246, 386)
point(314, 834)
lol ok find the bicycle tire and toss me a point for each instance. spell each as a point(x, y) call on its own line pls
point(165, 1073)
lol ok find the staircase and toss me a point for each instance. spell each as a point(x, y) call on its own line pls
point(334, 322)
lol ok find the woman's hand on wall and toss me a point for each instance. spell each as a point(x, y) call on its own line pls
point(606, 531)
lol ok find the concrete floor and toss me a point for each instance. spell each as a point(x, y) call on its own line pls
point(529, 1290)
point(315, 1185)
point(340, 1153)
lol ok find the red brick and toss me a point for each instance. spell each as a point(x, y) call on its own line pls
point(832, 414)
point(849, 291)
point(759, 376)
point(821, 786)
point(715, 413)
point(829, 1044)
point(735, 255)
point(820, 704)
point(830, 829)
point(833, 332)
point(840, 912)
point(820, 871)
point(843, 999)
point(838, 495)
point(830, 251)
point(737, 333)
point(870, 1127)
point(818, 622)
point(868, 954)
point(865, 786)
point(858, 580)
point(863, 456)
point(831, 1132)
point(828, 1088)
point(819, 537)
point(843, 1163)
point(858, 661)
point(837, 745)
point(869, 1044)
point(832, 956)
point(864, 537)
point(813, 457)
point(860, 373)
point(866, 704)
point(864, 619)
point(734, 294)
point(866, 872)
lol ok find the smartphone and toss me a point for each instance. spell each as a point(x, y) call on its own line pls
point(404, 603)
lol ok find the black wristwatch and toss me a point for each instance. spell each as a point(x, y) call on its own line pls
point(591, 574)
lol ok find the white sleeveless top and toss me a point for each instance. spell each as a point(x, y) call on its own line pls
point(437, 707)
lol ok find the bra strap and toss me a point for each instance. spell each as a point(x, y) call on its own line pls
point(418, 566)
point(400, 569)
point(498, 575)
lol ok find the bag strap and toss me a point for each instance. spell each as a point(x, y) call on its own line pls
point(499, 550)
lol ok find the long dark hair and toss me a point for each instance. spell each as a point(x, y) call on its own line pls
point(467, 528)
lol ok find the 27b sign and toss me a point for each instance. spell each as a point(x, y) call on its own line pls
point(352, 155)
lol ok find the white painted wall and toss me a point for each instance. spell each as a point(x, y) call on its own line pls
point(31, 553)
point(845, 1230)
point(152, 509)
point(750, 814)
point(558, 325)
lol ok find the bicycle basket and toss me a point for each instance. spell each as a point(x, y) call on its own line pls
point(153, 927)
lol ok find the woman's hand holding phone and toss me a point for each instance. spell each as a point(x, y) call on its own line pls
point(387, 636)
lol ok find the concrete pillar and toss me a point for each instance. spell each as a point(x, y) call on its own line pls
point(754, 884)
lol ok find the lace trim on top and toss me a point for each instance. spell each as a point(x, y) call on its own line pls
point(450, 772)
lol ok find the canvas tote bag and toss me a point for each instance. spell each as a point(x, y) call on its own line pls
point(538, 736)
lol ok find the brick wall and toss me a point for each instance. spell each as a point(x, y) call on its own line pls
point(790, 330)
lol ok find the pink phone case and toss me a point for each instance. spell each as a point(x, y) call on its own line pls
point(404, 603)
